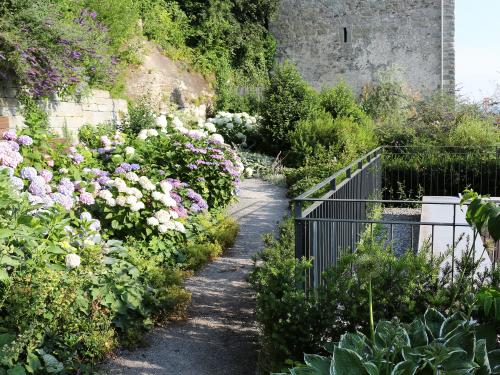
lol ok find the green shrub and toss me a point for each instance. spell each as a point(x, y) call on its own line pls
point(339, 101)
point(294, 322)
point(140, 116)
point(474, 132)
point(286, 101)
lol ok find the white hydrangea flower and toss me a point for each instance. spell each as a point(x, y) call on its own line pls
point(85, 216)
point(72, 261)
point(249, 172)
point(132, 176)
point(177, 123)
point(210, 127)
point(163, 228)
point(168, 201)
point(135, 192)
point(230, 125)
point(105, 194)
point(111, 202)
point(137, 206)
point(180, 227)
point(121, 200)
point(152, 133)
point(157, 195)
point(152, 221)
point(143, 135)
point(131, 200)
point(129, 151)
point(163, 216)
point(166, 186)
point(217, 138)
point(174, 215)
point(161, 121)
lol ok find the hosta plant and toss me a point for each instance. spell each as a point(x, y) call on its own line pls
point(434, 344)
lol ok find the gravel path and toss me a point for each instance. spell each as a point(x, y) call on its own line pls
point(220, 334)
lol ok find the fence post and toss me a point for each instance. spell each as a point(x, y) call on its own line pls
point(299, 235)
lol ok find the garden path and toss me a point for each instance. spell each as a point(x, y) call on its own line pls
point(220, 335)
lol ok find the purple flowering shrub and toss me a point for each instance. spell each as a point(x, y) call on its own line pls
point(211, 168)
point(47, 53)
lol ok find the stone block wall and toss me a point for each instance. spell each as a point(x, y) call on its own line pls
point(71, 113)
point(356, 40)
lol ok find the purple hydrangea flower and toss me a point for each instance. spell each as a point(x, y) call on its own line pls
point(126, 166)
point(14, 146)
point(192, 166)
point(64, 200)
point(195, 208)
point(28, 173)
point(85, 216)
point(46, 174)
point(200, 179)
point(135, 167)
point(17, 182)
point(104, 180)
point(25, 140)
point(77, 158)
point(66, 187)
point(87, 198)
point(95, 226)
point(38, 186)
point(10, 135)
point(120, 170)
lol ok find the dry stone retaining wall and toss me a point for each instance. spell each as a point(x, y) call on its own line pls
point(96, 108)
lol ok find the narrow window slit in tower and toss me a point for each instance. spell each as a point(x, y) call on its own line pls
point(345, 34)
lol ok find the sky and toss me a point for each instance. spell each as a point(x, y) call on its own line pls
point(477, 46)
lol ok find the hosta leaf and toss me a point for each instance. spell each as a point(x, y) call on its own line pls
point(418, 335)
point(320, 364)
point(481, 357)
point(391, 335)
point(488, 333)
point(433, 321)
point(16, 370)
point(464, 340)
point(405, 368)
point(371, 368)
point(356, 342)
point(494, 359)
point(451, 325)
point(346, 361)
point(458, 361)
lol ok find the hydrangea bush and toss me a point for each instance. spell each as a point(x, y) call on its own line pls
point(97, 234)
point(234, 127)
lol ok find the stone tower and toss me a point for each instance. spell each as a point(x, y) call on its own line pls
point(356, 40)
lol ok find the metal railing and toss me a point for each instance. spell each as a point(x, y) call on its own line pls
point(332, 217)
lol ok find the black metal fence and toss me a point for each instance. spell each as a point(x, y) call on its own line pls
point(403, 188)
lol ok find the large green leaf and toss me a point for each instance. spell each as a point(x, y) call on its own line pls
point(465, 340)
point(321, 365)
point(346, 361)
point(405, 368)
point(16, 370)
point(391, 335)
point(357, 342)
point(418, 335)
point(433, 321)
point(494, 359)
point(481, 358)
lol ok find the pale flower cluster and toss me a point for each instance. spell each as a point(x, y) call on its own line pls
point(234, 126)
point(160, 212)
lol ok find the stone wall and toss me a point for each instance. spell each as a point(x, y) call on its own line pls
point(356, 40)
point(96, 108)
